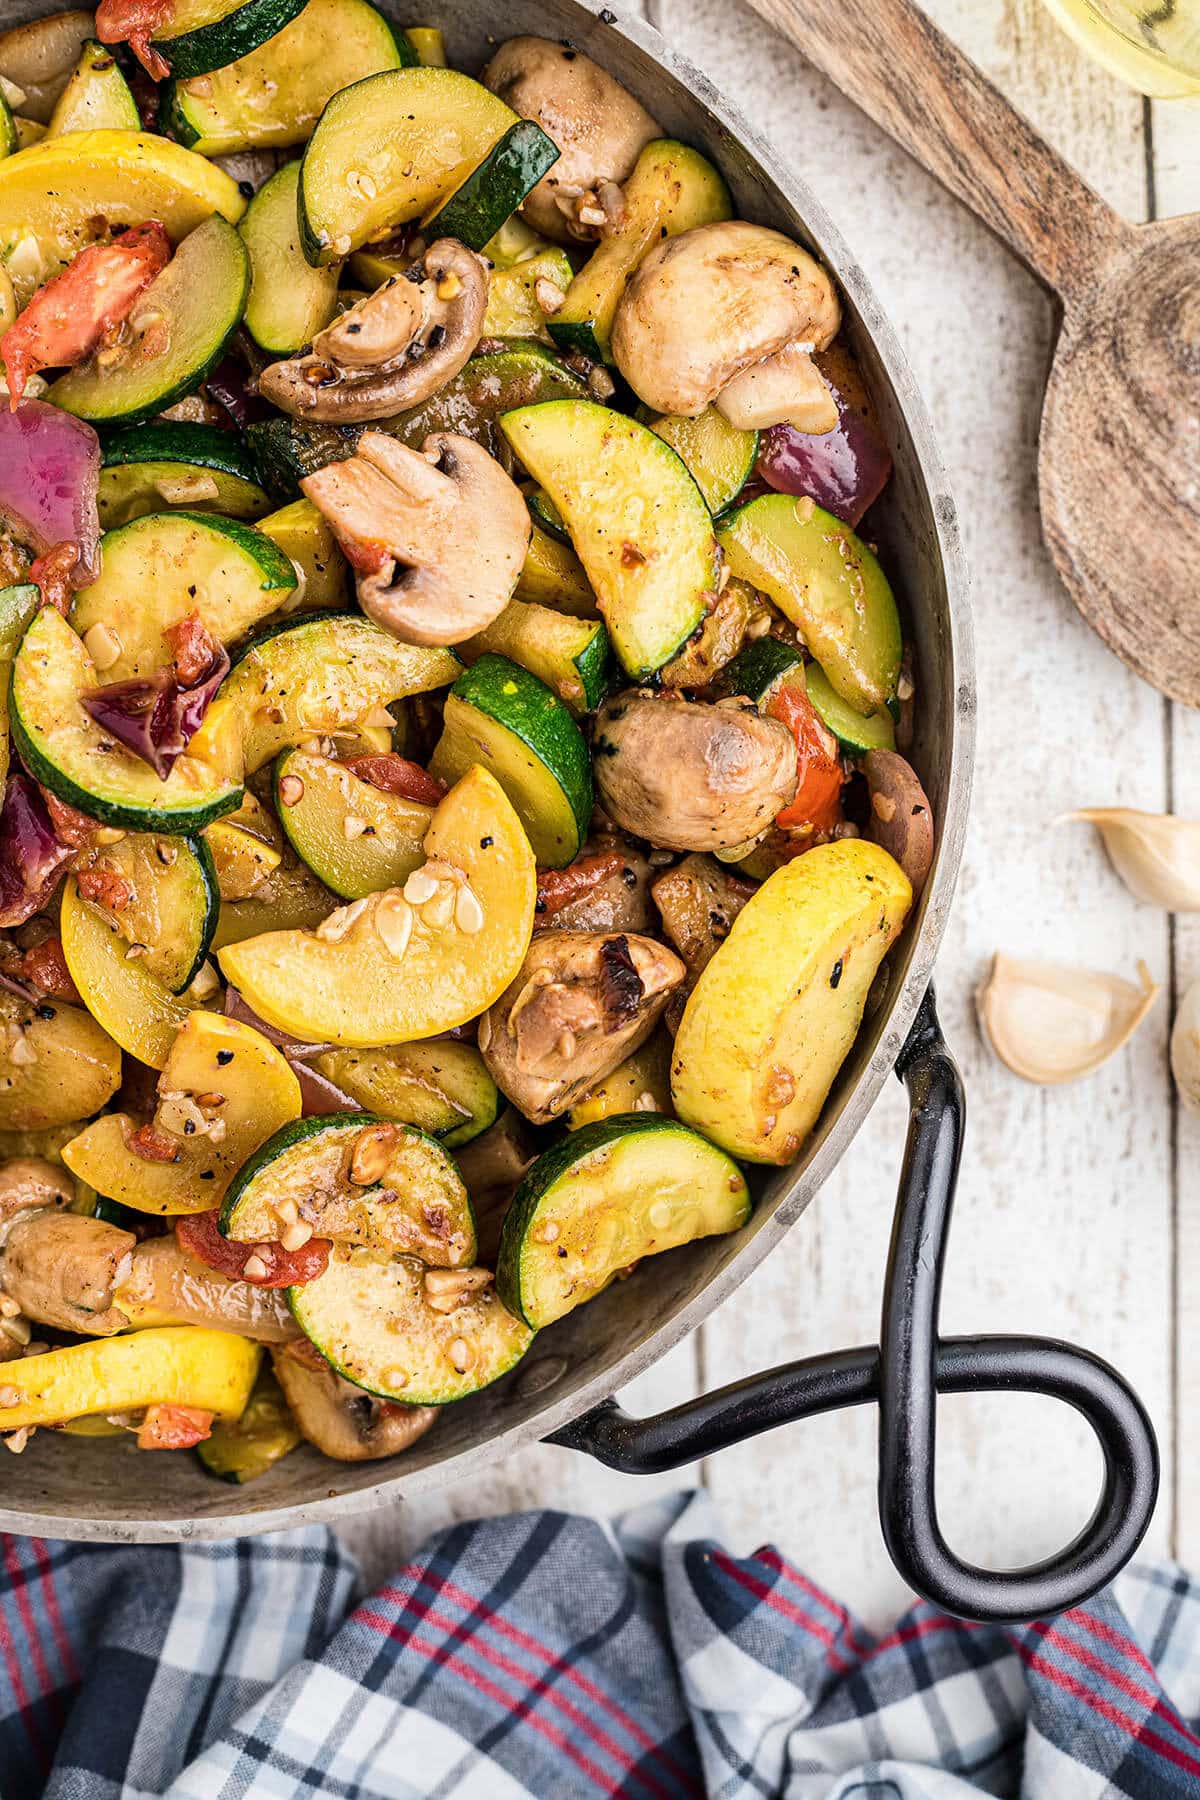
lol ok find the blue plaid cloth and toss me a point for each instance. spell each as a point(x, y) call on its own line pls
point(543, 1655)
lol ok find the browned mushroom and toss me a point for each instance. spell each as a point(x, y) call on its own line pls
point(597, 124)
point(166, 1286)
point(901, 816)
point(27, 1182)
point(729, 314)
point(699, 900)
point(581, 1003)
point(40, 56)
point(438, 536)
point(492, 1165)
point(689, 776)
point(61, 1269)
point(717, 639)
point(606, 888)
point(340, 1419)
point(393, 348)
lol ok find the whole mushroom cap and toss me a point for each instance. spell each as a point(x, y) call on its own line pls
point(597, 124)
point(711, 302)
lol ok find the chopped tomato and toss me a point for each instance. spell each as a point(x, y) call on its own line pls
point(168, 1427)
point(72, 828)
point(134, 22)
point(367, 559)
point(72, 315)
point(197, 1234)
point(557, 888)
point(104, 886)
point(54, 574)
point(820, 776)
point(44, 967)
point(397, 775)
point(193, 649)
point(153, 1145)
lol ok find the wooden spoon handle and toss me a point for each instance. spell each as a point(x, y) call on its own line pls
point(907, 76)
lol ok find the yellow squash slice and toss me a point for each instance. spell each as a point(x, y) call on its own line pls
point(67, 1067)
point(140, 1012)
point(181, 1365)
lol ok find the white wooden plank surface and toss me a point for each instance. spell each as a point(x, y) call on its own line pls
point(1068, 1205)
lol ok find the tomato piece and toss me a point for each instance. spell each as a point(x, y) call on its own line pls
point(54, 573)
point(197, 1233)
point(394, 774)
point(134, 22)
point(71, 316)
point(820, 776)
point(557, 888)
point(167, 1427)
point(104, 886)
point(44, 967)
point(193, 649)
point(153, 1145)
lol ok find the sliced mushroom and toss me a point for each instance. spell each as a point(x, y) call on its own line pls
point(698, 901)
point(901, 816)
point(61, 1268)
point(728, 315)
point(40, 57)
point(167, 1286)
point(689, 776)
point(343, 1420)
point(606, 888)
point(438, 537)
point(580, 1004)
point(29, 1183)
point(393, 348)
point(597, 124)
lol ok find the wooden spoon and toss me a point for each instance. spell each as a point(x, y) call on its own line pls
point(1119, 458)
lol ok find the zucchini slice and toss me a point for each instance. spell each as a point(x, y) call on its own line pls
point(492, 192)
point(74, 1071)
point(63, 747)
point(240, 1450)
point(177, 1365)
point(305, 536)
point(672, 189)
point(828, 583)
point(10, 133)
point(285, 451)
point(360, 1180)
point(386, 149)
point(320, 677)
point(719, 457)
point(289, 301)
point(637, 521)
point(204, 35)
point(201, 294)
point(289, 899)
point(139, 1012)
point(856, 734)
point(160, 568)
point(52, 194)
point(245, 847)
point(17, 607)
point(502, 717)
point(552, 575)
point(354, 838)
point(370, 980)
point(373, 1323)
point(273, 97)
point(513, 308)
point(546, 515)
point(757, 669)
point(443, 1088)
point(217, 1058)
point(604, 1197)
point(172, 906)
point(96, 98)
point(474, 400)
point(169, 463)
point(570, 655)
point(429, 45)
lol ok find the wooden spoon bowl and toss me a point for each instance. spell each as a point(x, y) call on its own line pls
point(1119, 457)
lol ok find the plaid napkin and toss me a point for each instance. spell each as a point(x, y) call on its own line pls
point(544, 1655)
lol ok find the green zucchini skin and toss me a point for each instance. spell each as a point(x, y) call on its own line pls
point(757, 667)
point(171, 440)
point(855, 733)
point(532, 743)
point(214, 46)
point(284, 452)
point(492, 192)
point(522, 1258)
point(198, 846)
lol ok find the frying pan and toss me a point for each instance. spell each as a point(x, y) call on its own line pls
point(109, 1491)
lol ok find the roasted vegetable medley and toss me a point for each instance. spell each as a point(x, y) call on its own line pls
point(452, 719)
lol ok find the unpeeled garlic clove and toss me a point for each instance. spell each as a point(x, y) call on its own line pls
point(1185, 1048)
point(1049, 1023)
point(1157, 855)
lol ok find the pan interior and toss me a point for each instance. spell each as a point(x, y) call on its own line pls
point(108, 1489)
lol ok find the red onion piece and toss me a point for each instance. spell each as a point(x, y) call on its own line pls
point(319, 1095)
point(229, 386)
point(49, 474)
point(293, 1048)
point(153, 716)
point(843, 470)
point(31, 857)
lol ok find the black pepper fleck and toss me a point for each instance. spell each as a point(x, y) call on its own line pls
point(486, 843)
point(45, 1011)
point(837, 973)
point(224, 1058)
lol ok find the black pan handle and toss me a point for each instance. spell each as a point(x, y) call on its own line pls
point(917, 1365)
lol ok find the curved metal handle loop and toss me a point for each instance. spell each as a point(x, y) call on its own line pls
point(914, 1368)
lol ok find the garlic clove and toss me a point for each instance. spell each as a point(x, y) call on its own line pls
point(1050, 1023)
point(1185, 1048)
point(1157, 855)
